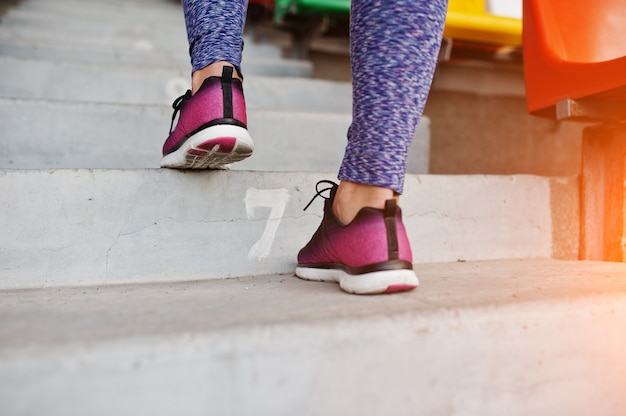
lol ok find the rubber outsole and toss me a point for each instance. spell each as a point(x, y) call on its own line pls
point(388, 281)
point(211, 148)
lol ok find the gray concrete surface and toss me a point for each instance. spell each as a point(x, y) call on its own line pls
point(60, 134)
point(482, 134)
point(120, 33)
point(118, 37)
point(95, 227)
point(129, 84)
point(157, 12)
point(538, 337)
point(141, 53)
point(62, 53)
point(19, 21)
point(50, 134)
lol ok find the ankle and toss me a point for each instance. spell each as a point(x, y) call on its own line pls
point(213, 70)
point(351, 197)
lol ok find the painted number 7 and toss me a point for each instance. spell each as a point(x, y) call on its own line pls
point(276, 199)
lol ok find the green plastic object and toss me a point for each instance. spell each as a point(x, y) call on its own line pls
point(338, 8)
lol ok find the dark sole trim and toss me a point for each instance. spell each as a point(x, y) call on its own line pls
point(377, 267)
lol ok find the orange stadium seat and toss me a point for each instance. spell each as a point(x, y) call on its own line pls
point(575, 58)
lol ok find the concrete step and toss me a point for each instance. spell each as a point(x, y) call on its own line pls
point(159, 12)
point(56, 134)
point(532, 337)
point(129, 84)
point(118, 23)
point(48, 30)
point(49, 134)
point(166, 11)
point(257, 60)
point(79, 32)
point(95, 227)
point(85, 54)
point(142, 55)
point(63, 30)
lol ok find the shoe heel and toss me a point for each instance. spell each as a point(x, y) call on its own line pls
point(212, 148)
point(212, 126)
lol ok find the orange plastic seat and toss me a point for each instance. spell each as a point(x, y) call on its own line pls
point(575, 58)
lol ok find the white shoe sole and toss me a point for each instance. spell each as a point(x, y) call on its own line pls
point(387, 281)
point(211, 148)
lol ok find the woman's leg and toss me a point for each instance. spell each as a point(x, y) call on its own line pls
point(362, 243)
point(215, 34)
point(394, 50)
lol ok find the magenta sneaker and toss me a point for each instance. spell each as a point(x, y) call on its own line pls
point(370, 255)
point(211, 130)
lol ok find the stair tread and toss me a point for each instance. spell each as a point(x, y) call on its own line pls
point(513, 337)
point(39, 317)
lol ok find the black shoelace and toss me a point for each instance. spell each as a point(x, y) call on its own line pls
point(176, 106)
point(330, 185)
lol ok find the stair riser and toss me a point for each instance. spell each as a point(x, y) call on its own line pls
point(88, 32)
point(39, 26)
point(142, 58)
point(101, 13)
point(117, 38)
point(76, 227)
point(135, 85)
point(88, 55)
point(121, 12)
point(42, 135)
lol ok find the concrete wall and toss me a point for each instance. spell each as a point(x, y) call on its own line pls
point(472, 133)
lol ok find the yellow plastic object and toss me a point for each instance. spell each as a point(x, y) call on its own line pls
point(574, 50)
point(468, 20)
point(466, 6)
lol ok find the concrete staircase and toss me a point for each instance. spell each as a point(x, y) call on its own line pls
point(127, 289)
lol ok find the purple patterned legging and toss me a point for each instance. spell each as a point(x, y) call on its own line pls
point(394, 46)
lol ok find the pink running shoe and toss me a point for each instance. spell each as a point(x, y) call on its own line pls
point(211, 130)
point(368, 256)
